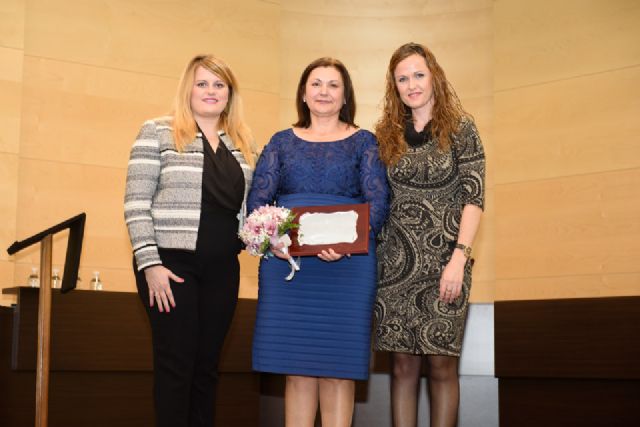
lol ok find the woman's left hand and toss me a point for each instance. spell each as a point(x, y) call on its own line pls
point(451, 279)
point(330, 255)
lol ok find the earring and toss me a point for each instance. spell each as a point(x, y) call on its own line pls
point(304, 99)
point(344, 102)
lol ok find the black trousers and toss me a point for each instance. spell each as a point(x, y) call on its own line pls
point(187, 340)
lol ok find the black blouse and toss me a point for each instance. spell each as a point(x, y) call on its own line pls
point(222, 179)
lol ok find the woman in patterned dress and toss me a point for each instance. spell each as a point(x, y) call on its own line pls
point(436, 168)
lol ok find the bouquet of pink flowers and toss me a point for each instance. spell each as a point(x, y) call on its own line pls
point(267, 226)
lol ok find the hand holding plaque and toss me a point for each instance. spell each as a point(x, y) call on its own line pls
point(343, 228)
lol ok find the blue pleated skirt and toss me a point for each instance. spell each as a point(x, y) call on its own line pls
point(319, 323)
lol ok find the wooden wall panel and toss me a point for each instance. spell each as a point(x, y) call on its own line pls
point(8, 203)
point(586, 224)
point(12, 23)
point(86, 115)
point(578, 126)
point(461, 41)
point(384, 8)
point(51, 192)
point(157, 38)
point(566, 157)
point(12, 14)
point(574, 286)
point(11, 88)
point(547, 40)
point(261, 111)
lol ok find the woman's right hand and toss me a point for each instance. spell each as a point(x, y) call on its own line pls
point(158, 277)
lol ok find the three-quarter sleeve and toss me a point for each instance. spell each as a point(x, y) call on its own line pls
point(374, 185)
point(143, 173)
point(266, 178)
point(471, 165)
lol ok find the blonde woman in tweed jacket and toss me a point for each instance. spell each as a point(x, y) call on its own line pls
point(187, 182)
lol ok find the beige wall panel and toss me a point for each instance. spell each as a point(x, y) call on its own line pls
point(248, 275)
point(158, 38)
point(287, 113)
point(551, 40)
point(579, 225)
point(367, 115)
point(261, 111)
point(11, 99)
point(481, 109)
point(482, 291)
point(590, 286)
point(50, 192)
point(113, 279)
point(8, 208)
point(12, 14)
point(462, 42)
point(383, 8)
point(577, 126)
point(248, 287)
point(8, 202)
point(83, 114)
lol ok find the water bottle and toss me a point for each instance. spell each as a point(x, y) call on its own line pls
point(56, 281)
point(34, 279)
point(96, 284)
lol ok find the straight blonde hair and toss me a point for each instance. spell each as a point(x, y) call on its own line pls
point(231, 119)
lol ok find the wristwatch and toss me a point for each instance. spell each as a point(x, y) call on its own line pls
point(466, 250)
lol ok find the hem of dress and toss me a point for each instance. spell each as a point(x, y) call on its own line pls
point(312, 373)
point(417, 353)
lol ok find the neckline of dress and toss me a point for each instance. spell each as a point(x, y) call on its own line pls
point(323, 142)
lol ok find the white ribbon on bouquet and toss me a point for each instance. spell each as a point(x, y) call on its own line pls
point(285, 240)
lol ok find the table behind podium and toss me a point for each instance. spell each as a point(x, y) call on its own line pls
point(101, 362)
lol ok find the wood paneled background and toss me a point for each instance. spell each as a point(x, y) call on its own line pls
point(553, 87)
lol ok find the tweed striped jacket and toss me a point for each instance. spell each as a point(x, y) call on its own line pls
point(164, 191)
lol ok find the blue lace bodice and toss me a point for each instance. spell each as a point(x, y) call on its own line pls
point(348, 167)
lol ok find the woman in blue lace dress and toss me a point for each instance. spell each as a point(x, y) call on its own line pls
point(316, 328)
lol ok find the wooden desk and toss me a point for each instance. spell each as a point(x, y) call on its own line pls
point(570, 362)
point(101, 362)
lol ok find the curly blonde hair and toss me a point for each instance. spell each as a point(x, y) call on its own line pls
point(231, 119)
point(446, 115)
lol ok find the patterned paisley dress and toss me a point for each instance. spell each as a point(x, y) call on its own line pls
point(429, 189)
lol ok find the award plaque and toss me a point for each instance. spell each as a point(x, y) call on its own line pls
point(343, 228)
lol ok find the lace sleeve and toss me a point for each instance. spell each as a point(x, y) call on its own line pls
point(373, 182)
point(266, 178)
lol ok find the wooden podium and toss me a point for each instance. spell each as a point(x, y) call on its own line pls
point(101, 362)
